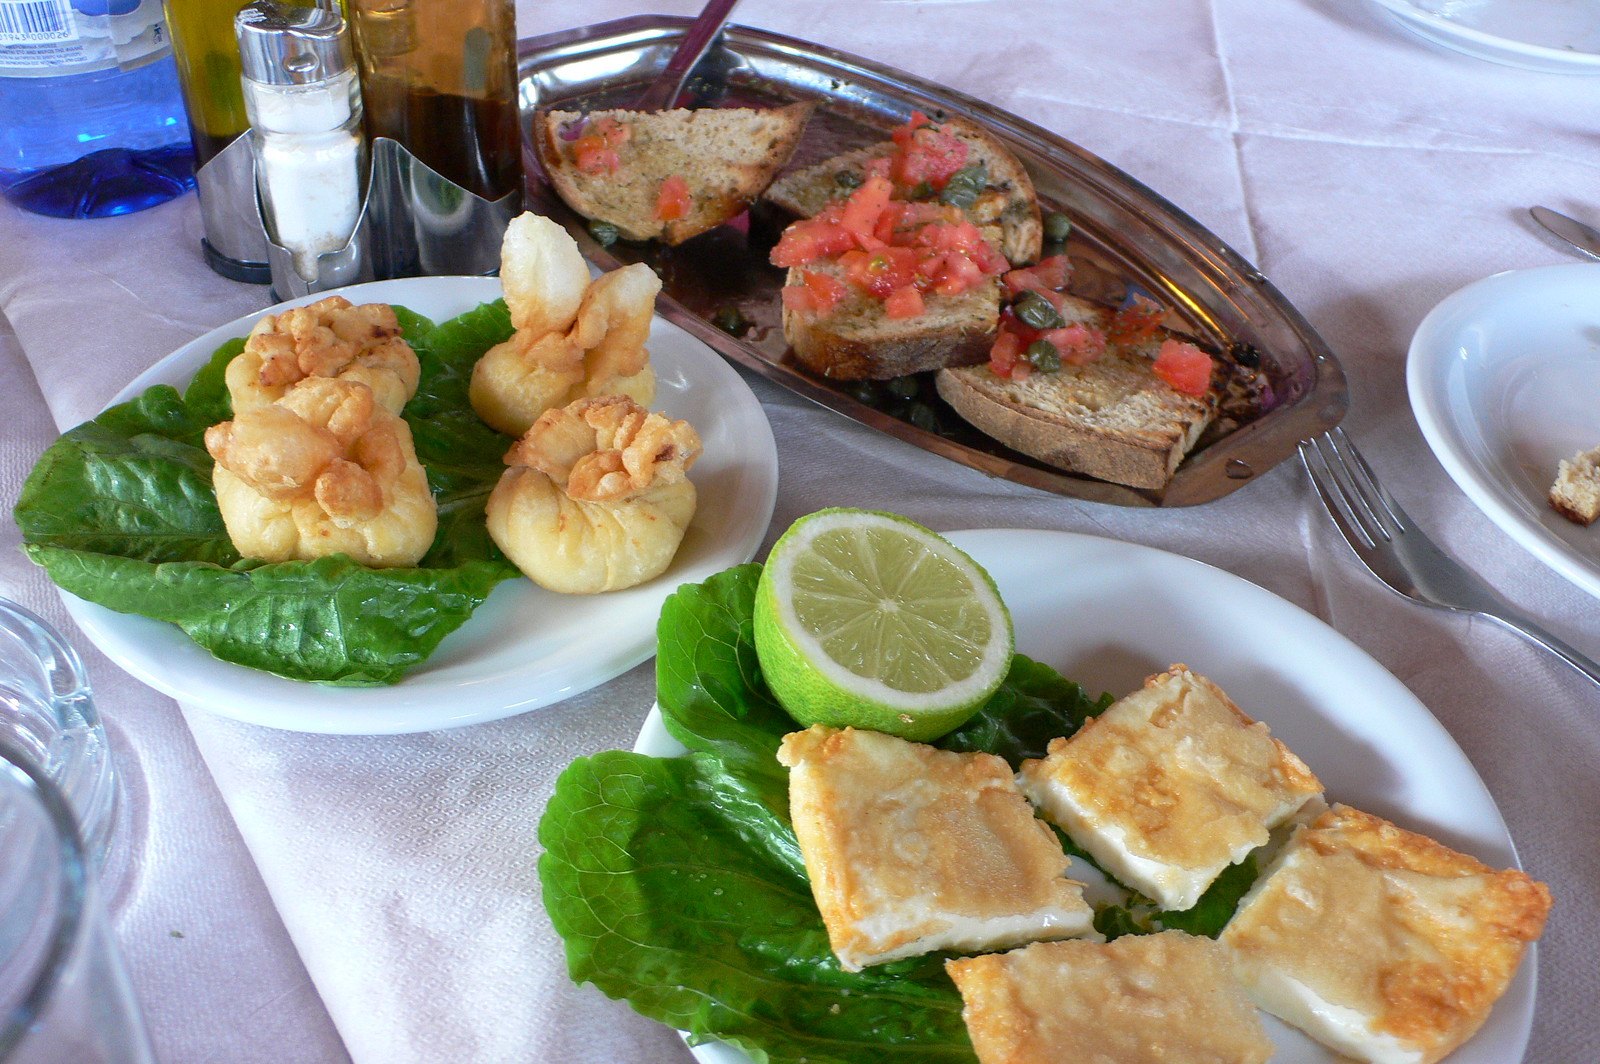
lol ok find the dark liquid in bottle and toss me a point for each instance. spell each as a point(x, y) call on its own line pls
point(208, 146)
point(473, 142)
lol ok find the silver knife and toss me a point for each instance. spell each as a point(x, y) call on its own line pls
point(1586, 238)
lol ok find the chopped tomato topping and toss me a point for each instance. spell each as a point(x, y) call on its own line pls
point(880, 272)
point(902, 135)
point(865, 206)
point(1184, 366)
point(904, 303)
point(956, 273)
point(1005, 353)
point(887, 245)
point(593, 157)
point(673, 200)
point(925, 154)
point(812, 239)
point(1077, 344)
point(1136, 320)
point(817, 293)
point(1044, 278)
point(596, 151)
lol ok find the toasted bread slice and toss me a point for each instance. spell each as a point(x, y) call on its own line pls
point(726, 156)
point(858, 341)
point(1009, 200)
point(1113, 418)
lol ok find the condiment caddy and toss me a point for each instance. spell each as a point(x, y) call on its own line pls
point(331, 207)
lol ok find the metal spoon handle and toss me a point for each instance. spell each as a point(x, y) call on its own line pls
point(663, 92)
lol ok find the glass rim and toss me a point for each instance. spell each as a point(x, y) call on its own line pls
point(68, 919)
point(43, 636)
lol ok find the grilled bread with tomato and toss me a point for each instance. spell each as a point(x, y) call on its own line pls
point(1092, 390)
point(666, 175)
point(879, 287)
point(952, 161)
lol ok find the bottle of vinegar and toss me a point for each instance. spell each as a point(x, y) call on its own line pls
point(91, 121)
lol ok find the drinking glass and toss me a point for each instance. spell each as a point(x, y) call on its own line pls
point(47, 713)
point(64, 997)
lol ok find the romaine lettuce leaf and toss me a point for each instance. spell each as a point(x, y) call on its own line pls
point(120, 511)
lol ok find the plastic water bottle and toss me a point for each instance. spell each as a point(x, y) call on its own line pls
point(91, 120)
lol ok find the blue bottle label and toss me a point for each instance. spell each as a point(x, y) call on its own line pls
point(52, 38)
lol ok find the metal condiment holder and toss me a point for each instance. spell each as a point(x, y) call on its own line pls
point(411, 220)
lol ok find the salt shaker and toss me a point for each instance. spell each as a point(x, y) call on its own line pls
point(303, 98)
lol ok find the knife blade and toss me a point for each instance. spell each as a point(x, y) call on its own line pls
point(1586, 238)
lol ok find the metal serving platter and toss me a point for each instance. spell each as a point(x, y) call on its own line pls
point(1123, 236)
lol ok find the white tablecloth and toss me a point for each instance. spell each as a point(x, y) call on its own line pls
point(318, 899)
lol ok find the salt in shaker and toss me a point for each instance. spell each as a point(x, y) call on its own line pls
point(304, 102)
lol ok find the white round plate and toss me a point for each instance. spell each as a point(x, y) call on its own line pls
point(1551, 36)
point(1503, 377)
point(1108, 614)
point(524, 647)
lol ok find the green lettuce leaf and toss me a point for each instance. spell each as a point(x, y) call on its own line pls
point(120, 511)
point(660, 876)
point(1034, 705)
point(678, 883)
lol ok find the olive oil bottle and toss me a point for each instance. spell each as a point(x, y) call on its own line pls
point(208, 69)
point(440, 77)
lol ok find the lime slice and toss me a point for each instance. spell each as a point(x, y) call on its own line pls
point(869, 620)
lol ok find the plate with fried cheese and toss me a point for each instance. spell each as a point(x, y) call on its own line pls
point(524, 645)
point(1386, 918)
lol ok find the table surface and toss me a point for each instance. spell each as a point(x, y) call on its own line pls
point(320, 899)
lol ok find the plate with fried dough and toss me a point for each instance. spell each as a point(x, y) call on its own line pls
point(524, 647)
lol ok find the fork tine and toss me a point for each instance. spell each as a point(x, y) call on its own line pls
point(1366, 482)
point(1334, 492)
point(1342, 468)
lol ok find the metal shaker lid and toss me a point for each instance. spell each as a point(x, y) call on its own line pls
point(284, 45)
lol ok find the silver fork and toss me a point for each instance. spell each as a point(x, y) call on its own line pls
point(1400, 554)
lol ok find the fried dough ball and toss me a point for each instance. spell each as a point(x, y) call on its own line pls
point(574, 340)
point(328, 338)
point(543, 274)
point(324, 470)
point(597, 496)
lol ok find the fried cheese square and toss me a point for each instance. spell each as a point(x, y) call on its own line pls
point(1169, 786)
point(1142, 999)
point(1381, 943)
point(910, 849)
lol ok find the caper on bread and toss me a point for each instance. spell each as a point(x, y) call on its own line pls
point(666, 175)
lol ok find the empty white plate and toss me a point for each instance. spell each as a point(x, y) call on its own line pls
point(1503, 377)
point(1553, 36)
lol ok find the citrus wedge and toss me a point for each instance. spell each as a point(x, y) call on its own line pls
point(869, 620)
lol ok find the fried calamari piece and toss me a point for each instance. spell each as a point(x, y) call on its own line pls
point(324, 470)
point(328, 338)
point(574, 340)
point(597, 496)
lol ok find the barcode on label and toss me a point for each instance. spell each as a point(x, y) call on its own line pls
point(27, 21)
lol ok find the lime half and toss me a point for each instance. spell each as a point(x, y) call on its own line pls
point(869, 620)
